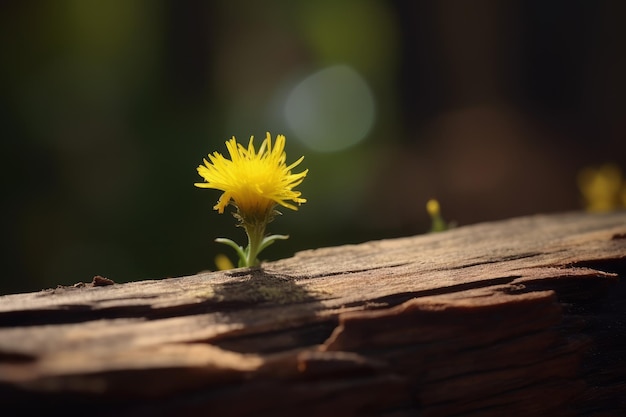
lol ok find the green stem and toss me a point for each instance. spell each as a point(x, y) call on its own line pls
point(255, 234)
point(257, 241)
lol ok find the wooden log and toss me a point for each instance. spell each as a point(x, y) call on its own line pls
point(519, 317)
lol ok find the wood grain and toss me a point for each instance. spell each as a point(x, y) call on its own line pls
point(519, 317)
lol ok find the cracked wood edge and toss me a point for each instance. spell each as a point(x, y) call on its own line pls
point(154, 327)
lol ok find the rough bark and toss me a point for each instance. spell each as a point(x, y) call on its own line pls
point(519, 317)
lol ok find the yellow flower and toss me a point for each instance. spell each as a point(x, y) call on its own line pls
point(254, 180)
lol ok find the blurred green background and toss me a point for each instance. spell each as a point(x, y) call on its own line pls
point(108, 106)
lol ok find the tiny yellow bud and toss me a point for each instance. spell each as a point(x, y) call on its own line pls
point(223, 263)
point(432, 207)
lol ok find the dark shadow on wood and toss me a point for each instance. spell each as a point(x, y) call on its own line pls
point(257, 286)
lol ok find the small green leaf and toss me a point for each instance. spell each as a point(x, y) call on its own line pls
point(240, 251)
point(268, 240)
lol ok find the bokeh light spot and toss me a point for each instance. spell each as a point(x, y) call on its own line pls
point(331, 110)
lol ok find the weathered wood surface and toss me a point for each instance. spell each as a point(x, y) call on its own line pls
point(519, 317)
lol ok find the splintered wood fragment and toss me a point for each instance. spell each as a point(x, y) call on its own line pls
point(519, 317)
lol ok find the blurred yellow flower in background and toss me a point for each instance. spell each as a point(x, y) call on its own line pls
point(223, 263)
point(603, 188)
point(438, 223)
